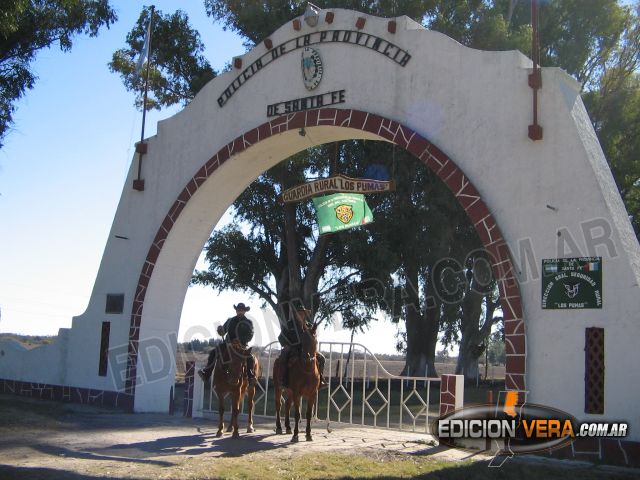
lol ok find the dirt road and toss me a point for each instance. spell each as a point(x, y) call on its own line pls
point(48, 440)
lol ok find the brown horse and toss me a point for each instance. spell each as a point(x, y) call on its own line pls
point(304, 381)
point(230, 377)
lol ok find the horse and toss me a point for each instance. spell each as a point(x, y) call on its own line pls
point(230, 376)
point(304, 381)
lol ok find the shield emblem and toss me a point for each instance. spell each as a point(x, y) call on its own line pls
point(344, 213)
point(311, 68)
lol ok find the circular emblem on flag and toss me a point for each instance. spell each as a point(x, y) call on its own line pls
point(344, 213)
point(311, 67)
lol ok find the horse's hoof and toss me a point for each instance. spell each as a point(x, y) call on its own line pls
point(309, 438)
point(219, 433)
point(236, 435)
point(294, 439)
point(289, 431)
point(250, 429)
point(278, 431)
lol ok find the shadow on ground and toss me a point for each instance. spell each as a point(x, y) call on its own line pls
point(477, 470)
point(203, 443)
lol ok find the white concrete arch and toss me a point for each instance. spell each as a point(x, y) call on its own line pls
point(464, 112)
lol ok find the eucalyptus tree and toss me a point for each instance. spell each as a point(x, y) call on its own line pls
point(27, 27)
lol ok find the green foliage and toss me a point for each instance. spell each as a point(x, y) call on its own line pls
point(237, 262)
point(576, 35)
point(253, 255)
point(178, 68)
point(580, 36)
point(256, 20)
point(616, 116)
point(28, 26)
point(496, 352)
point(480, 24)
point(614, 107)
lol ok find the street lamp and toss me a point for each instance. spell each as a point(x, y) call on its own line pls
point(312, 14)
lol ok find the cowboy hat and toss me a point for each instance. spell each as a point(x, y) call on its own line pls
point(241, 307)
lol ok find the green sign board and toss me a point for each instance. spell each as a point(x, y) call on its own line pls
point(341, 211)
point(570, 283)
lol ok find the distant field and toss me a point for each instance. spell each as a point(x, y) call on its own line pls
point(394, 367)
point(28, 341)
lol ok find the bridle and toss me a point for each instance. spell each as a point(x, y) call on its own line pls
point(230, 376)
point(307, 360)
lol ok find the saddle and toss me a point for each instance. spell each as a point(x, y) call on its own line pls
point(224, 350)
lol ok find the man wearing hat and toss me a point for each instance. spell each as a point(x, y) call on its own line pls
point(238, 328)
point(289, 338)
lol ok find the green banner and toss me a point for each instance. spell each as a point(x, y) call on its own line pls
point(341, 211)
point(570, 283)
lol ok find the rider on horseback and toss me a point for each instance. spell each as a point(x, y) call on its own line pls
point(289, 338)
point(238, 328)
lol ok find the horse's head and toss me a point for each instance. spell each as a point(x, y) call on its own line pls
point(309, 344)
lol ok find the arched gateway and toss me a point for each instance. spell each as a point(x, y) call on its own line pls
point(463, 112)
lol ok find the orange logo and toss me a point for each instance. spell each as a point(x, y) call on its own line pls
point(510, 403)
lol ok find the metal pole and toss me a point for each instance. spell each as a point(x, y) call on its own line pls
point(535, 79)
point(146, 79)
point(487, 441)
point(138, 184)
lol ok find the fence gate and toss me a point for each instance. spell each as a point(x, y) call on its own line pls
point(361, 391)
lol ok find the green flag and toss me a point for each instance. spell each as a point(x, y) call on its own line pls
point(341, 211)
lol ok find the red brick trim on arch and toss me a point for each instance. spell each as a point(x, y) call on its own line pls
point(402, 136)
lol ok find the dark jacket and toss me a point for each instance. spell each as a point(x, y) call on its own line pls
point(290, 334)
point(239, 327)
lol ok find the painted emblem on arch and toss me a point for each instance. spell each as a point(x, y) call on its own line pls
point(344, 213)
point(311, 67)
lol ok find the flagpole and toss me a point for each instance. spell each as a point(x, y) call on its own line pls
point(535, 78)
point(141, 148)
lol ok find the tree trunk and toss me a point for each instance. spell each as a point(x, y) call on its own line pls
point(470, 349)
point(432, 320)
point(416, 325)
point(293, 264)
point(473, 335)
point(468, 365)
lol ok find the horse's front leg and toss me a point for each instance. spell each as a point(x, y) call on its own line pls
point(278, 394)
point(296, 406)
point(310, 403)
point(287, 409)
point(251, 395)
point(235, 412)
point(220, 396)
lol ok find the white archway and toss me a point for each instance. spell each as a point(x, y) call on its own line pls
point(464, 112)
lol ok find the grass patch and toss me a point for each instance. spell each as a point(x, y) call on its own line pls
point(312, 466)
point(326, 465)
point(332, 465)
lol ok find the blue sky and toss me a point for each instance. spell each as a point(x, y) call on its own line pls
point(62, 170)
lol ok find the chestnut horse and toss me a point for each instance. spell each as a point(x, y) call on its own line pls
point(230, 377)
point(304, 381)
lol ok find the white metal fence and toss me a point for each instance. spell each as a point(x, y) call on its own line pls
point(360, 391)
